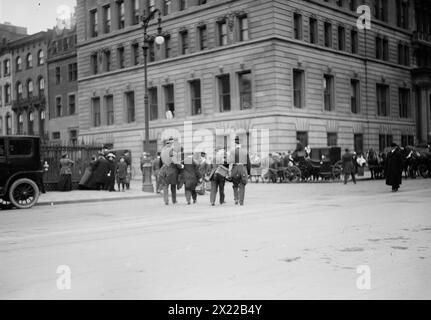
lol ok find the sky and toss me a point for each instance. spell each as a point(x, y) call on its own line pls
point(34, 15)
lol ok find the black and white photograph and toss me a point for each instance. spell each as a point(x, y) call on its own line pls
point(215, 150)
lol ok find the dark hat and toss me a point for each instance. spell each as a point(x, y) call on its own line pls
point(237, 139)
point(393, 145)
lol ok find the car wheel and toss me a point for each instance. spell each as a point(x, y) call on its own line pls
point(24, 193)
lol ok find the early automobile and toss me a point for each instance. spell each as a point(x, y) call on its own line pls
point(21, 171)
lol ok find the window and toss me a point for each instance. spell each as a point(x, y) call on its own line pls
point(313, 31)
point(57, 75)
point(56, 136)
point(151, 5)
point(73, 71)
point(6, 65)
point(332, 139)
point(352, 5)
point(339, 3)
point(200, 2)
point(245, 90)
point(1, 98)
point(151, 51)
point(29, 61)
point(19, 90)
point(20, 127)
point(382, 100)
point(94, 63)
point(404, 102)
point(195, 93)
point(302, 136)
point(328, 35)
point(168, 46)
point(328, 86)
point(381, 10)
point(382, 48)
point(40, 58)
point(130, 105)
point(109, 102)
point(184, 35)
point(30, 123)
point(73, 137)
point(224, 92)
point(354, 96)
point(182, 5)
point(354, 41)
point(120, 57)
point(96, 111)
point(93, 23)
point(203, 37)
point(167, 7)
point(135, 12)
point(243, 28)
point(402, 14)
point(7, 93)
point(2, 150)
point(135, 53)
point(169, 98)
point(385, 140)
point(358, 142)
point(107, 60)
point(30, 88)
point(18, 64)
point(298, 88)
point(153, 101)
point(41, 86)
point(8, 124)
point(121, 14)
point(72, 104)
point(341, 38)
point(403, 54)
point(107, 19)
point(222, 33)
point(297, 26)
point(385, 49)
point(58, 107)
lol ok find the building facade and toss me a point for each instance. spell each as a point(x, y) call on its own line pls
point(8, 33)
point(29, 90)
point(300, 69)
point(63, 86)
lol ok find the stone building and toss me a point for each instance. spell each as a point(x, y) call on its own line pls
point(8, 32)
point(63, 86)
point(300, 69)
point(29, 90)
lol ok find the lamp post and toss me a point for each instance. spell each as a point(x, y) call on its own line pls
point(147, 184)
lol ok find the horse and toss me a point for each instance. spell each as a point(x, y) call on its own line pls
point(375, 164)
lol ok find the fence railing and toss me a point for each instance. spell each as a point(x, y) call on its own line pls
point(80, 154)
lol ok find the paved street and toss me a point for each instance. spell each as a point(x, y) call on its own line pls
point(289, 241)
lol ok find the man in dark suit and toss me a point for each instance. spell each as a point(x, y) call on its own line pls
point(218, 176)
point(240, 167)
point(394, 168)
point(169, 172)
point(348, 166)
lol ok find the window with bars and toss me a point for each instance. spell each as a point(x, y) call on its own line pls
point(224, 92)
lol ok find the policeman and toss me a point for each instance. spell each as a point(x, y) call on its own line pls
point(239, 171)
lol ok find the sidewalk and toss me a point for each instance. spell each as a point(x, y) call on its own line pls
point(82, 196)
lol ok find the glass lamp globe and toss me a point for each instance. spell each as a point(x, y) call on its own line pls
point(160, 40)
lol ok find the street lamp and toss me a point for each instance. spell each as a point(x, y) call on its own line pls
point(147, 184)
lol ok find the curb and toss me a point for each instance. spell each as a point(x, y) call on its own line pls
point(53, 203)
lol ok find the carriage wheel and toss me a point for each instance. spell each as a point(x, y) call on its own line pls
point(336, 171)
point(24, 193)
point(423, 170)
point(292, 174)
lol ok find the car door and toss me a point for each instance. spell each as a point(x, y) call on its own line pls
point(4, 167)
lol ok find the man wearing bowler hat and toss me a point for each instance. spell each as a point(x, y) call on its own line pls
point(239, 171)
point(394, 168)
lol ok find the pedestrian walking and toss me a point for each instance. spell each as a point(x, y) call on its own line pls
point(157, 163)
point(65, 182)
point(121, 174)
point(394, 168)
point(191, 177)
point(239, 170)
point(110, 177)
point(218, 177)
point(171, 165)
point(348, 166)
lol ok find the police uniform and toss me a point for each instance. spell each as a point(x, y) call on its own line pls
point(240, 167)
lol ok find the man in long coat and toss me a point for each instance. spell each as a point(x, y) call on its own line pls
point(169, 172)
point(394, 168)
point(100, 172)
point(191, 177)
point(348, 166)
point(240, 167)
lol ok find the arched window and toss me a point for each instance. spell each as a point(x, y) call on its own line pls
point(19, 90)
point(40, 58)
point(7, 96)
point(30, 87)
point(20, 119)
point(29, 61)
point(41, 86)
point(18, 64)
